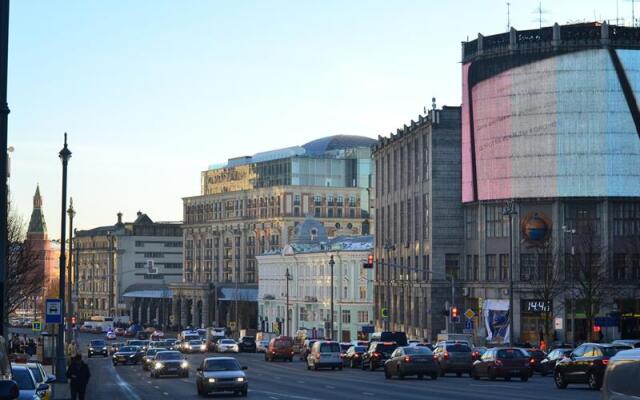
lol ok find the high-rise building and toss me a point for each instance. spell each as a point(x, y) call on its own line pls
point(251, 205)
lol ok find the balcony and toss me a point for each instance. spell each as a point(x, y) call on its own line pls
point(310, 299)
point(269, 297)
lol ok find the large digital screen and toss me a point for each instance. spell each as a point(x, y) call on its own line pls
point(558, 127)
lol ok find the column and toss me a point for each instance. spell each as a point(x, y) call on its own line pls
point(158, 311)
point(183, 312)
point(205, 311)
point(195, 319)
point(174, 312)
point(148, 314)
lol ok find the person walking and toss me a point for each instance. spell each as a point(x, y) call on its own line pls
point(72, 349)
point(78, 374)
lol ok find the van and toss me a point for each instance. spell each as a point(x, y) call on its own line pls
point(621, 376)
point(281, 348)
point(324, 354)
point(399, 337)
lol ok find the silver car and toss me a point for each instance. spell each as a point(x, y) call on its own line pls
point(221, 374)
point(29, 388)
point(621, 376)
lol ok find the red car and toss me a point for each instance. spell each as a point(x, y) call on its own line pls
point(504, 362)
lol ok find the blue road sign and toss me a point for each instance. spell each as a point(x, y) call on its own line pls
point(468, 324)
point(368, 329)
point(53, 308)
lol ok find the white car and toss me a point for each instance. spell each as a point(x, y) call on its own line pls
point(261, 346)
point(227, 345)
point(111, 335)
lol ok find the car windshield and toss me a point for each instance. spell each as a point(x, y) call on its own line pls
point(23, 379)
point(536, 353)
point(227, 341)
point(248, 339)
point(171, 341)
point(173, 355)
point(282, 343)
point(417, 350)
point(195, 342)
point(329, 348)
point(344, 347)
point(509, 354)
point(37, 374)
point(386, 348)
point(128, 349)
point(221, 365)
point(97, 343)
point(152, 352)
point(609, 351)
point(136, 343)
point(359, 349)
point(458, 348)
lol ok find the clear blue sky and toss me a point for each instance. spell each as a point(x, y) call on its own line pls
point(151, 92)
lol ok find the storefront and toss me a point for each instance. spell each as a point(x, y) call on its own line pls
point(532, 319)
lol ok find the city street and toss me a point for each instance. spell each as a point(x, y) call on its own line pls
point(280, 380)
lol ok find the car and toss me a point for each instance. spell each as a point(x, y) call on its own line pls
point(324, 354)
point(280, 347)
point(98, 347)
point(261, 346)
point(113, 347)
point(119, 331)
point(344, 346)
point(453, 357)
point(149, 356)
point(195, 346)
point(548, 364)
point(535, 358)
point(29, 388)
point(411, 360)
point(227, 345)
point(619, 382)
point(353, 356)
point(139, 343)
point(142, 335)
point(111, 335)
point(157, 335)
point(170, 362)
point(585, 364)
point(477, 352)
point(399, 337)
point(247, 344)
point(127, 355)
point(377, 354)
point(171, 343)
point(634, 343)
point(504, 362)
point(306, 348)
point(221, 374)
point(42, 377)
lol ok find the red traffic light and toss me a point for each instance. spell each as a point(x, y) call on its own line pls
point(369, 263)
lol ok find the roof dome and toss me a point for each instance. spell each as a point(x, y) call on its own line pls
point(337, 142)
point(311, 231)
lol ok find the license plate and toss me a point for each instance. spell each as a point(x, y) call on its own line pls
point(172, 369)
point(515, 371)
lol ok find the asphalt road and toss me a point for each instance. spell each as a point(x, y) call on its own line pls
point(280, 380)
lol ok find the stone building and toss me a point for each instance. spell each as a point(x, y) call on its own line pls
point(307, 260)
point(419, 231)
point(251, 205)
point(125, 269)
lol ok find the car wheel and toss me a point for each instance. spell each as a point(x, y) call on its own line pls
point(362, 366)
point(352, 364)
point(475, 375)
point(89, 355)
point(290, 359)
point(544, 372)
point(308, 367)
point(441, 372)
point(340, 368)
point(387, 375)
point(524, 378)
point(115, 364)
point(593, 381)
point(561, 383)
point(492, 374)
point(372, 367)
point(434, 376)
point(333, 368)
point(315, 366)
point(458, 374)
point(507, 378)
point(243, 393)
point(420, 376)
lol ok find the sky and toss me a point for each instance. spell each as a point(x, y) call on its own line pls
point(151, 92)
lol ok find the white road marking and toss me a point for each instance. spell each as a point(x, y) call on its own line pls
point(367, 394)
point(165, 393)
point(330, 387)
point(126, 387)
point(287, 396)
point(157, 387)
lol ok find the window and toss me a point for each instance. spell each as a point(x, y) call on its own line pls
point(452, 264)
point(497, 224)
point(317, 212)
point(296, 199)
point(626, 219)
point(346, 316)
point(504, 267)
point(363, 317)
point(491, 267)
point(635, 266)
point(527, 267)
point(583, 216)
point(303, 314)
point(619, 267)
point(345, 292)
point(471, 223)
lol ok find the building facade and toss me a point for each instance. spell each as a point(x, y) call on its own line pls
point(306, 260)
point(550, 123)
point(125, 269)
point(251, 205)
point(419, 233)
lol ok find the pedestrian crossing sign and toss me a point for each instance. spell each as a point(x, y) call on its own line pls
point(36, 326)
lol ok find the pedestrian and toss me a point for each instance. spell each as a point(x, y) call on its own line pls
point(72, 349)
point(78, 375)
point(31, 347)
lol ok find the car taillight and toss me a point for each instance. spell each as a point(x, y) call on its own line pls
point(475, 355)
point(499, 363)
point(376, 354)
point(341, 355)
point(605, 361)
point(532, 361)
point(435, 357)
point(407, 359)
point(273, 352)
point(446, 355)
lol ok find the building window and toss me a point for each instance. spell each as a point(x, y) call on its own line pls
point(346, 316)
point(504, 267)
point(626, 219)
point(317, 200)
point(619, 267)
point(497, 224)
point(452, 264)
point(303, 314)
point(363, 317)
point(491, 267)
point(584, 217)
point(317, 212)
point(296, 211)
point(296, 199)
point(635, 266)
point(329, 212)
point(527, 267)
point(471, 223)
point(345, 292)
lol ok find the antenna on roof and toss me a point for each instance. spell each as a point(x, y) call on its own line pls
point(540, 12)
point(508, 16)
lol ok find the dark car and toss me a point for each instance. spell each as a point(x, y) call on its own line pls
point(149, 357)
point(353, 357)
point(478, 352)
point(127, 355)
point(170, 363)
point(221, 374)
point(97, 347)
point(378, 353)
point(414, 360)
point(548, 364)
point(398, 337)
point(142, 335)
point(535, 358)
point(585, 364)
point(501, 362)
point(115, 347)
point(247, 344)
point(453, 357)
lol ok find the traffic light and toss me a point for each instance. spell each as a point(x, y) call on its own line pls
point(369, 263)
point(455, 314)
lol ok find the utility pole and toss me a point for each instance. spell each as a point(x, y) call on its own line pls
point(65, 155)
point(288, 277)
point(509, 210)
point(4, 116)
point(69, 310)
point(331, 263)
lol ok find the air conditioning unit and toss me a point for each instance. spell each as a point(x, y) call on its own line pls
point(465, 292)
point(505, 292)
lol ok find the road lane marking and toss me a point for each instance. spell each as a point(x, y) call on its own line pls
point(157, 387)
point(367, 394)
point(126, 387)
point(165, 393)
point(330, 387)
point(288, 396)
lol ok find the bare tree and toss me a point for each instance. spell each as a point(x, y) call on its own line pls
point(25, 275)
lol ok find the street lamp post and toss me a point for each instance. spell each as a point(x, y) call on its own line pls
point(65, 155)
point(509, 210)
point(69, 310)
point(331, 263)
point(571, 232)
point(4, 115)
point(287, 329)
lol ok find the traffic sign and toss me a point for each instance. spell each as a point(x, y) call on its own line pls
point(384, 312)
point(368, 329)
point(469, 313)
point(53, 308)
point(36, 326)
point(232, 324)
point(468, 324)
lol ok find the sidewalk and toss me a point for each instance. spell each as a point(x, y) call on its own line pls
point(60, 390)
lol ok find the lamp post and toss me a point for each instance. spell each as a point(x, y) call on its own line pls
point(287, 329)
point(509, 210)
point(111, 306)
point(389, 247)
point(571, 232)
point(4, 115)
point(331, 263)
point(65, 155)
point(69, 310)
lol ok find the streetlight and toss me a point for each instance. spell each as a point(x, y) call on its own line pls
point(331, 263)
point(288, 277)
point(571, 232)
point(65, 155)
point(72, 213)
point(4, 116)
point(509, 210)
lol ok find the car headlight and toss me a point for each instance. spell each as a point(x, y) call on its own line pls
point(184, 364)
point(203, 347)
point(188, 346)
point(132, 355)
point(240, 379)
point(104, 348)
point(159, 365)
point(90, 348)
point(212, 380)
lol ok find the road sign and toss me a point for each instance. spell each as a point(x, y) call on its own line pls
point(36, 326)
point(469, 313)
point(368, 329)
point(557, 323)
point(53, 308)
point(232, 324)
point(468, 325)
point(384, 312)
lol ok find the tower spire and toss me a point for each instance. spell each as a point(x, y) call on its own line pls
point(37, 224)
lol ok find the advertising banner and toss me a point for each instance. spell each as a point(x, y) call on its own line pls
point(496, 319)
